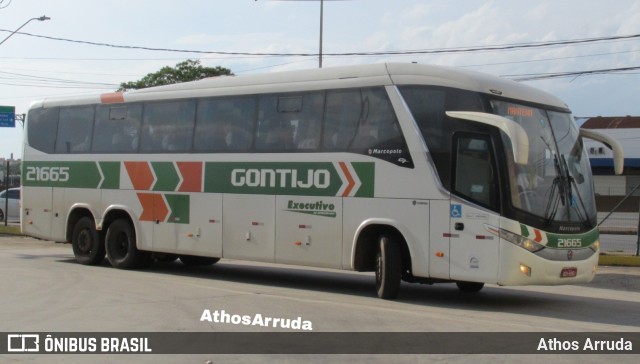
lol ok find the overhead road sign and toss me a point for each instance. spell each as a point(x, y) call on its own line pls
point(8, 116)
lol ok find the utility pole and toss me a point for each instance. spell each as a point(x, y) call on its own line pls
point(321, 31)
point(321, 26)
point(6, 194)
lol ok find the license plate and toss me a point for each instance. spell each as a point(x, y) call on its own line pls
point(568, 272)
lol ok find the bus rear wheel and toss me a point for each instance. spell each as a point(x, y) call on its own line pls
point(469, 287)
point(121, 247)
point(87, 246)
point(388, 268)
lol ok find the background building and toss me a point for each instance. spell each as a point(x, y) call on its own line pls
point(621, 228)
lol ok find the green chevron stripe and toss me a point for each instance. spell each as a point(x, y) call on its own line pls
point(179, 206)
point(167, 176)
point(111, 173)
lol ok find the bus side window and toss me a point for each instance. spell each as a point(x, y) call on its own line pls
point(364, 121)
point(42, 124)
point(274, 131)
point(289, 121)
point(75, 130)
point(117, 128)
point(378, 126)
point(224, 124)
point(168, 126)
point(309, 122)
point(475, 176)
point(341, 118)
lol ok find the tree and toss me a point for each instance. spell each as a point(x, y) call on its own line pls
point(188, 70)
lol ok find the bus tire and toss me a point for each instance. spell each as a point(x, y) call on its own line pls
point(88, 248)
point(388, 268)
point(469, 287)
point(121, 247)
point(194, 261)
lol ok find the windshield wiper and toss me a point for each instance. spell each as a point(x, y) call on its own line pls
point(572, 181)
point(562, 189)
point(557, 189)
point(559, 184)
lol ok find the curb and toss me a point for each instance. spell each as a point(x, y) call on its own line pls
point(620, 260)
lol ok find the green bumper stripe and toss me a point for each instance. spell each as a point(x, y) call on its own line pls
point(561, 241)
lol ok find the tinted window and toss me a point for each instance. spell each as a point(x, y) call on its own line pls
point(344, 108)
point(117, 128)
point(475, 174)
point(168, 126)
point(42, 126)
point(75, 130)
point(289, 122)
point(363, 121)
point(428, 106)
point(225, 124)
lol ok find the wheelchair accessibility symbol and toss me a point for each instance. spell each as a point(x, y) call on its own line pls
point(456, 211)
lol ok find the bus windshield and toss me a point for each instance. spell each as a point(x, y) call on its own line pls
point(555, 184)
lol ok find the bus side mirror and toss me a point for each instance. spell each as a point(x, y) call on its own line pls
point(616, 148)
point(515, 132)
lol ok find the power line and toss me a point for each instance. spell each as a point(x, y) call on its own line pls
point(500, 47)
point(544, 76)
point(74, 72)
point(546, 59)
point(57, 86)
point(49, 79)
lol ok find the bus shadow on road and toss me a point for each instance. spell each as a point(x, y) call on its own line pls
point(517, 301)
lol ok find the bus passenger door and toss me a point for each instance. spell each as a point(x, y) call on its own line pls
point(474, 250)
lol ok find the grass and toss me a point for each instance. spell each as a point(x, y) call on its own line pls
point(11, 229)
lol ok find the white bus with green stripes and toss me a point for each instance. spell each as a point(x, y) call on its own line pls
point(417, 173)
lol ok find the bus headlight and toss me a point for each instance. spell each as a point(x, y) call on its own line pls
point(595, 246)
point(516, 239)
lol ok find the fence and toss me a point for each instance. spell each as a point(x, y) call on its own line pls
point(619, 230)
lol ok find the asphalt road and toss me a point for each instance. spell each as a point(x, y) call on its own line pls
point(43, 289)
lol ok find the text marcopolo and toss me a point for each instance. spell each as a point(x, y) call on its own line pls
point(223, 317)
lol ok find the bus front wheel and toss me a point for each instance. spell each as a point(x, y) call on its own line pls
point(86, 243)
point(121, 246)
point(388, 268)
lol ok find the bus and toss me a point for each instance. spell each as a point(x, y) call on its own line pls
point(417, 173)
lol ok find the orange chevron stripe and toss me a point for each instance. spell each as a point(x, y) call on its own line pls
point(140, 174)
point(153, 207)
point(191, 176)
point(352, 182)
point(538, 235)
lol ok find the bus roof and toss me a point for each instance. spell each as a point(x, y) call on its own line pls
point(325, 78)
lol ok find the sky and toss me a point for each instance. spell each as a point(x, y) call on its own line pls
point(33, 67)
